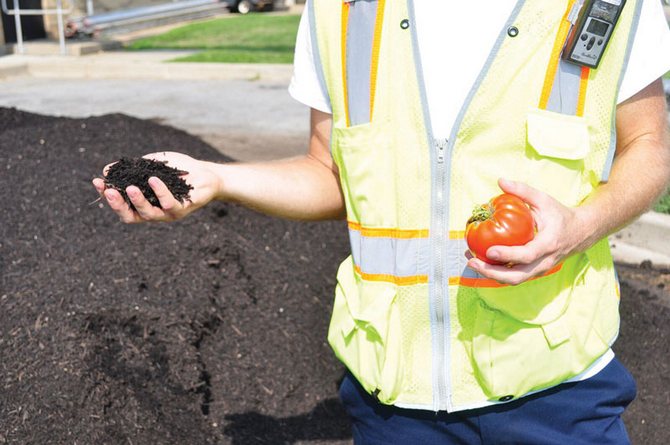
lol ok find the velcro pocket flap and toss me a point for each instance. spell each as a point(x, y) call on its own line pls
point(556, 332)
point(558, 135)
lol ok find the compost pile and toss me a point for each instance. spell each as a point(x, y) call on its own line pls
point(211, 330)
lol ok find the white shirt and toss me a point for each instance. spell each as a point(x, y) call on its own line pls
point(447, 21)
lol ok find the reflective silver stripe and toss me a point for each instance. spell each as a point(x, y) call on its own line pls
point(360, 35)
point(390, 256)
point(565, 91)
point(457, 261)
point(607, 168)
point(403, 257)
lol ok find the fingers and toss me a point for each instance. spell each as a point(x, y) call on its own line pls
point(526, 254)
point(119, 206)
point(510, 275)
point(501, 274)
point(170, 209)
point(144, 209)
point(531, 195)
point(99, 185)
point(520, 263)
point(512, 254)
point(165, 197)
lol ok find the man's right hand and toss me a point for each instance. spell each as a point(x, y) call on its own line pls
point(201, 176)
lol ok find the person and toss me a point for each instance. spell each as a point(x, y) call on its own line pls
point(420, 111)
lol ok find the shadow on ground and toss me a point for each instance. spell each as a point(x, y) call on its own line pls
point(327, 421)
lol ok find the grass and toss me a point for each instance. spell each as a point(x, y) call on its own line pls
point(663, 206)
point(253, 38)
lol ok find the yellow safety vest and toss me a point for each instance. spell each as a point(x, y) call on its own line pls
point(415, 326)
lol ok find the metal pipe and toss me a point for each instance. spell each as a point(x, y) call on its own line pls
point(17, 25)
point(61, 30)
point(114, 16)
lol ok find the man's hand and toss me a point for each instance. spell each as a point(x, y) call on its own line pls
point(640, 174)
point(201, 176)
point(559, 233)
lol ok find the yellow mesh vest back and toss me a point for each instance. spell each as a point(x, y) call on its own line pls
point(410, 321)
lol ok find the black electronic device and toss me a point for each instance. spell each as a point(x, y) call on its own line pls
point(592, 32)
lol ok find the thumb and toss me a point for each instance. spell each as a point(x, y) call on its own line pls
point(531, 195)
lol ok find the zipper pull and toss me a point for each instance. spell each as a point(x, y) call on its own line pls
point(441, 145)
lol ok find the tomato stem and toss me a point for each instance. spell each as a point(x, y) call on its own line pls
point(481, 213)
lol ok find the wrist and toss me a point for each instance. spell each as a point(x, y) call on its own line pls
point(585, 224)
point(219, 186)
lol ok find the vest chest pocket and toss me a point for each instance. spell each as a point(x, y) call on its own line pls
point(365, 160)
point(556, 147)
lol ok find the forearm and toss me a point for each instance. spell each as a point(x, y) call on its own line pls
point(639, 176)
point(641, 168)
point(302, 188)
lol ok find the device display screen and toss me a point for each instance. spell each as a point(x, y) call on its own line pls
point(598, 27)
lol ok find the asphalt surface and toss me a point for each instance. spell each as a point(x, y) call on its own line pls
point(225, 113)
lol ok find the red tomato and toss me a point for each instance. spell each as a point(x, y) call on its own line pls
point(506, 220)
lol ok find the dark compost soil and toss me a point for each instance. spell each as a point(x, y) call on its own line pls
point(210, 330)
point(137, 171)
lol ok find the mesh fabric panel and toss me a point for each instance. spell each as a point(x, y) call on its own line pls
point(416, 344)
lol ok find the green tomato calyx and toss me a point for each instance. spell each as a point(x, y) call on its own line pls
point(481, 213)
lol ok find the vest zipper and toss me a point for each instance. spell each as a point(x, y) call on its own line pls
point(441, 145)
point(442, 324)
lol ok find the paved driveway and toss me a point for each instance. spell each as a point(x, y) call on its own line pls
point(245, 119)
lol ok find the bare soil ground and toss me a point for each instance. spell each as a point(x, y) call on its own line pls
point(207, 331)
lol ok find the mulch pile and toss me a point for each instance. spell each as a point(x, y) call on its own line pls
point(207, 331)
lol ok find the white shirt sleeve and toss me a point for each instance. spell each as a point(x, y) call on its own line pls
point(306, 86)
point(650, 55)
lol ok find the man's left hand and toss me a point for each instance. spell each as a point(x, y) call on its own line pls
point(559, 233)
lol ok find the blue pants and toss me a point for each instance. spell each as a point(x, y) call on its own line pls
point(586, 412)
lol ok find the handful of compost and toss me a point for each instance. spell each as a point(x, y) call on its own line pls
point(137, 171)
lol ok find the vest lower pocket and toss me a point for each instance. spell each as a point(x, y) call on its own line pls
point(365, 332)
point(514, 352)
point(511, 359)
point(557, 147)
point(539, 301)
